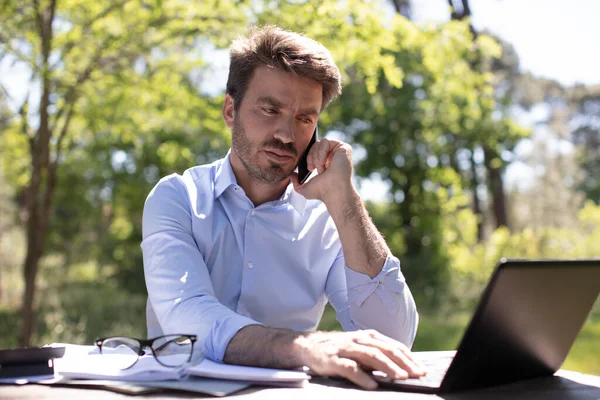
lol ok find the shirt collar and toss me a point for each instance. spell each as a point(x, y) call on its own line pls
point(225, 177)
point(295, 199)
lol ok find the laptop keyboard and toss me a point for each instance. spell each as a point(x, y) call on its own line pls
point(436, 370)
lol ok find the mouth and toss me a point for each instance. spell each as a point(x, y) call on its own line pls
point(279, 155)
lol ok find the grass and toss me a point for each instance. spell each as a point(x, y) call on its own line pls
point(444, 333)
point(585, 353)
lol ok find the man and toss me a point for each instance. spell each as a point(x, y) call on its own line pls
point(241, 254)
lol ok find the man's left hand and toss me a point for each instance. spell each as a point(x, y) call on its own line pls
point(333, 161)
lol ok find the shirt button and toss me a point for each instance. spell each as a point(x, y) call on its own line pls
point(250, 265)
point(253, 213)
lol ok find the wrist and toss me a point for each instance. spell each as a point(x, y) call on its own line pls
point(343, 203)
point(339, 192)
point(308, 348)
point(302, 347)
point(260, 346)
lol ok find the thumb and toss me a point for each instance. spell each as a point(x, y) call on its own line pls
point(307, 189)
point(296, 182)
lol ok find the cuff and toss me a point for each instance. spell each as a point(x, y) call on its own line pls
point(386, 285)
point(221, 334)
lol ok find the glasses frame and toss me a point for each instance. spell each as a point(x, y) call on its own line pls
point(143, 343)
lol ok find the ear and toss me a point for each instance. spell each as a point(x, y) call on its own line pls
point(228, 111)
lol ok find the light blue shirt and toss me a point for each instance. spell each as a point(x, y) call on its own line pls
point(214, 263)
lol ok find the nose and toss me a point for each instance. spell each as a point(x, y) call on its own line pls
point(285, 131)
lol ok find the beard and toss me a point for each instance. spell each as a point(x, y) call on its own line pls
point(248, 153)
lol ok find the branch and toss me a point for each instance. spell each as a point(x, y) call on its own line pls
point(5, 92)
point(453, 14)
point(85, 29)
point(24, 125)
point(63, 133)
point(38, 17)
point(70, 96)
point(5, 41)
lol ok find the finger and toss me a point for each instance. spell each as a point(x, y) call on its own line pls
point(373, 358)
point(350, 370)
point(395, 354)
point(402, 359)
point(312, 159)
point(395, 344)
point(307, 189)
point(310, 164)
point(322, 152)
point(376, 335)
point(295, 181)
point(300, 188)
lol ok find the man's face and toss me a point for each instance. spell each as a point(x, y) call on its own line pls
point(274, 123)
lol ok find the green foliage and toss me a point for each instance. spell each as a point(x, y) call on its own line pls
point(472, 263)
point(130, 86)
point(126, 107)
point(77, 306)
point(585, 103)
point(129, 75)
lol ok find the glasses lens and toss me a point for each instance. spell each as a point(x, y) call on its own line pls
point(120, 352)
point(173, 350)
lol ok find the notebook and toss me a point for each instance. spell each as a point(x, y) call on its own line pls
point(84, 362)
point(524, 326)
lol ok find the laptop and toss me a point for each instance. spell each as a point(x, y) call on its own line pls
point(524, 326)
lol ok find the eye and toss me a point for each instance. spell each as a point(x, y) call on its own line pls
point(270, 110)
point(306, 120)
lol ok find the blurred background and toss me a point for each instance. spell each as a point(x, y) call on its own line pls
point(475, 124)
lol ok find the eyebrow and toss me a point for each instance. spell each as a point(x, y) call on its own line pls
point(276, 103)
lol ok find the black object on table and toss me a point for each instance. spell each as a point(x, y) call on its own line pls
point(28, 361)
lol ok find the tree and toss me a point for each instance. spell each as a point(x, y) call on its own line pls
point(415, 117)
point(402, 7)
point(460, 10)
point(5, 206)
point(584, 122)
point(125, 102)
point(70, 48)
point(562, 140)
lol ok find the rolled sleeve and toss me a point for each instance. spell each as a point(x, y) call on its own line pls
point(180, 290)
point(387, 285)
point(383, 303)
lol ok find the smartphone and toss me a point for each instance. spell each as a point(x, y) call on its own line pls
point(30, 355)
point(303, 172)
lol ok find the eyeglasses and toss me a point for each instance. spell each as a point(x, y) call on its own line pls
point(168, 350)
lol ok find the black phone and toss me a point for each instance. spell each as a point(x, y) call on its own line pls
point(26, 355)
point(303, 172)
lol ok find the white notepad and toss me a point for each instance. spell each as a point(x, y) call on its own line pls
point(84, 362)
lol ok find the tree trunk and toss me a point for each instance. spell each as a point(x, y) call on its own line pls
point(38, 196)
point(476, 201)
point(497, 189)
point(34, 252)
point(403, 7)
point(37, 226)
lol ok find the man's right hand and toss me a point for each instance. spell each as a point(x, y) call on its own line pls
point(350, 354)
point(345, 354)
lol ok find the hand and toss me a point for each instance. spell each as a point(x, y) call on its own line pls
point(350, 354)
point(333, 161)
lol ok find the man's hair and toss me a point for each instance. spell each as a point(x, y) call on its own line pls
point(287, 51)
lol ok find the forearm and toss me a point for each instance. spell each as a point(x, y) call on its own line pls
point(364, 248)
point(325, 353)
point(259, 346)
